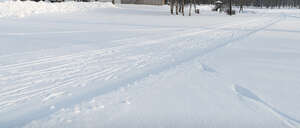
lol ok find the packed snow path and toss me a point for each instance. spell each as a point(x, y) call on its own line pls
point(50, 63)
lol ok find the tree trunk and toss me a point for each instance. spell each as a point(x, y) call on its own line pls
point(230, 7)
point(195, 6)
point(190, 13)
point(182, 4)
point(176, 3)
point(241, 6)
point(172, 6)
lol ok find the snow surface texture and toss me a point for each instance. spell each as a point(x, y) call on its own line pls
point(137, 66)
point(27, 8)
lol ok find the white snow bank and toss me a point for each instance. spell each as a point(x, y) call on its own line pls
point(205, 7)
point(23, 9)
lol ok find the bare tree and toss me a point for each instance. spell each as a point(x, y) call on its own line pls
point(241, 6)
point(180, 5)
point(193, 2)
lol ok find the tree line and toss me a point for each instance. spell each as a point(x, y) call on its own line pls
point(258, 3)
point(177, 6)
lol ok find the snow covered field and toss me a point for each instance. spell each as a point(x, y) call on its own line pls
point(92, 65)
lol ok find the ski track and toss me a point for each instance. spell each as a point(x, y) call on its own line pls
point(249, 95)
point(78, 69)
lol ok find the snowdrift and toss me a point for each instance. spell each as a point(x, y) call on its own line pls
point(23, 9)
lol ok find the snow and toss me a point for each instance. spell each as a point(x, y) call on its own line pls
point(27, 8)
point(96, 65)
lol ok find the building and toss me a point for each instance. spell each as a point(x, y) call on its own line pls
point(148, 2)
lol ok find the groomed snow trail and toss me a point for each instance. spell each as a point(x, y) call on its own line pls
point(112, 67)
point(42, 85)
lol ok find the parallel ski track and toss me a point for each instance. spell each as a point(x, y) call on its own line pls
point(249, 95)
point(24, 78)
point(80, 68)
point(27, 76)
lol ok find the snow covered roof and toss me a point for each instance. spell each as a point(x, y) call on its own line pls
point(218, 2)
